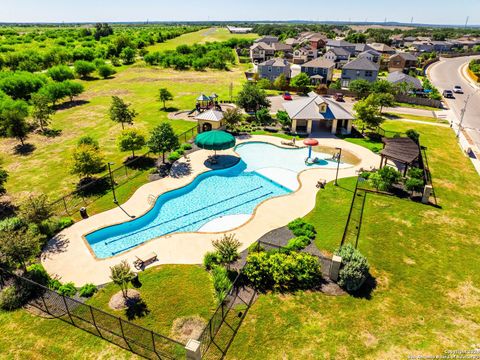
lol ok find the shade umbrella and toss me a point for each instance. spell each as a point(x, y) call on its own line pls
point(310, 143)
point(215, 140)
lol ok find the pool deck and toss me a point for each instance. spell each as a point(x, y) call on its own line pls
point(69, 257)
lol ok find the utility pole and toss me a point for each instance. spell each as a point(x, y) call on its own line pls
point(464, 110)
point(466, 21)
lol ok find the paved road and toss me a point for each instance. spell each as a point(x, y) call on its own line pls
point(445, 75)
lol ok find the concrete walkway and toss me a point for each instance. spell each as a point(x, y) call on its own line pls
point(70, 257)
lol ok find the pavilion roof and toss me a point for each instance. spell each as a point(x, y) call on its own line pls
point(401, 149)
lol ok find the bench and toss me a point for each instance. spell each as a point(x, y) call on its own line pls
point(141, 262)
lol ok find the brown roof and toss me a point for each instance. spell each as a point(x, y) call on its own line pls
point(402, 149)
point(319, 63)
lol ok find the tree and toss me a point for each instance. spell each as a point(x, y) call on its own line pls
point(41, 110)
point(163, 139)
point(368, 113)
point(281, 82)
point(283, 118)
point(120, 112)
point(128, 55)
point(18, 246)
point(14, 123)
point(382, 87)
point(102, 30)
point(356, 38)
point(264, 84)
point(302, 82)
point(60, 73)
point(73, 88)
point(36, 209)
point(84, 68)
point(131, 140)
point(87, 161)
point(3, 180)
point(382, 99)
point(251, 98)
point(232, 117)
point(263, 116)
point(361, 87)
point(105, 71)
point(54, 92)
point(88, 140)
point(164, 96)
point(121, 275)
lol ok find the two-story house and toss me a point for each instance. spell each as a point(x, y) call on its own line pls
point(360, 48)
point(304, 54)
point(268, 40)
point(402, 62)
point(383, 49)
point(339, 56)
point(320, 69)
point(272, 69)
point(372, 55)
point(260, 52)
point(360, 68)
point(332, 44)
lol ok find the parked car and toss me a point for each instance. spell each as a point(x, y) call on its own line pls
point(287, 96)
point(457, 89)
point(448, 94)
point(338, 97)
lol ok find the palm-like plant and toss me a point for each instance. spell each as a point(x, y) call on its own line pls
point(122, 275)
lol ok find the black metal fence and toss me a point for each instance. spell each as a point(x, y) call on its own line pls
point(222, 327)
point(125, 334)
point(88, 194)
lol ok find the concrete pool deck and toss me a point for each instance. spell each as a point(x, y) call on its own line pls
point(69, 256)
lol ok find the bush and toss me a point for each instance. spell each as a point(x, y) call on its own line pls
point(211, 259)
point(64, 222)
point(412, 134)
point(186, 146)
point(10, 298)
point(105, 71)
point(255, 247)
point(174, 156)
point(38, 274)
point(11, 224)
point(298, 243)
point(54, 284)
point(415, 173)
point(227, 248)
point(67, 289)
point(414, 184)
point(221, 282)
point(87, 290)
point(263, 116)
point(282, 271)
point(300, 227)
point(180, 151)
point(354, 270)
point(384, 178)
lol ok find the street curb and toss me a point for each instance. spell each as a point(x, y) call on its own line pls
point(466, 76)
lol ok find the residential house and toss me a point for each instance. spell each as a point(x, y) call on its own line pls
point(335, 44)
point(260, 52)
point(284, 48)
point(402, 62)
point(399, 77)
point(442, 46)
point(315, 40)
point(272, 69)
point(372, 55)
point(292, 42)
point(360, 68)
point(320, 69)
point(397, 40)
point(304, 54)
point(268, 40)
point(339, 56)
point(383, 49)
point(316, 113)
point(422, 46)
point(360, 48)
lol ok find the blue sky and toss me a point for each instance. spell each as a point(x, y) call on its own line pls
point(422, 11)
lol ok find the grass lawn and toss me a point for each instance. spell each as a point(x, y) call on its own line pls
point(401, 116)
point(370, 144)
point(199, 37)
point(414, 106)
point(46, 169)
point(424, 259)
point(170, 292)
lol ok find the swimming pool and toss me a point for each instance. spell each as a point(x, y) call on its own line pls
point(260, 175)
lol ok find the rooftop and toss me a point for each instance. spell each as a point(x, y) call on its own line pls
point(319, 63)
point(402, 149)
point(361, 64)
point(308, 109)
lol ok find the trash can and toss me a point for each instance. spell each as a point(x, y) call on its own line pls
point(83, 213)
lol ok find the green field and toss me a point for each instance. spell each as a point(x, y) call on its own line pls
point(200, 37)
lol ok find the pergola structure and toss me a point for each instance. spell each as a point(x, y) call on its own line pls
point(403, 150)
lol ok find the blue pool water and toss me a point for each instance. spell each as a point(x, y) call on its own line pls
point(233, 191)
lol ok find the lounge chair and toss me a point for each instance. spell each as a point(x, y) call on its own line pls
point(288, 143)
point(212, 160)
point(321, 184)
point(143, 261)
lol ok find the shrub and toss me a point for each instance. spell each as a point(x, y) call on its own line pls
point(105, 71)
point(415, 173)
point(263, 116)
point(384, 178)
point(354, 270)
point(54, 284)
point(221, 282)
point(174, 156)
point(255, 247)
point(298, 243)
point(38, 274)
point(412, 134)
point(282, 271)
point(87, 290)
point(12, 224)
point(67, 289)
point(211, 259)
point(64, 222)
point(10, 298)
point(186, 146)
point(300, 227)
point(227, 248)
point(414, 184)
point(180, 151)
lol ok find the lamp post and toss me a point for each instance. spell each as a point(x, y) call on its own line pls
point(112, 183)
point(339, 155)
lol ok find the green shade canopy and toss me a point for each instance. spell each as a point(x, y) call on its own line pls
point(215, 140)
